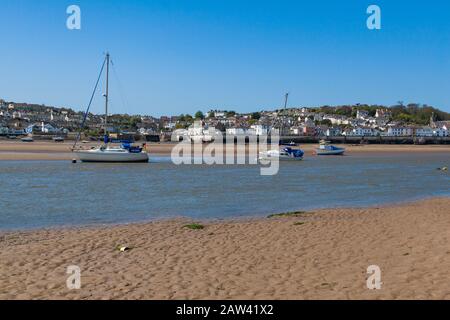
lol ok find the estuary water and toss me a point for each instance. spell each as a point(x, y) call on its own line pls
point(36, 194)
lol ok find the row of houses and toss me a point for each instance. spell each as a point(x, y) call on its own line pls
point(36, 128)
point(392, 131)
point(293, 121)
point(201, 128)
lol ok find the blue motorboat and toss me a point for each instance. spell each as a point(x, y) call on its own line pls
point(325, 149)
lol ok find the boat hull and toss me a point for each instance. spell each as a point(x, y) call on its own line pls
point(264, 156)
point(89, 156)
point(320, 152)
point(281, 158)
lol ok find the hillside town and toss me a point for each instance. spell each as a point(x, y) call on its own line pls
point(343, 121)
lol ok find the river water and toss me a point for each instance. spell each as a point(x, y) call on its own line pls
point(36, 194)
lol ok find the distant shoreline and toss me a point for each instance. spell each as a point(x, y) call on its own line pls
point(44, 150)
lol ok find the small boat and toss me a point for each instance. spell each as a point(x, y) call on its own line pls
point(27, 139)
point(326, 149)
point(106, 152)
point(291, 144)
point(284, 154)
point(58, 139)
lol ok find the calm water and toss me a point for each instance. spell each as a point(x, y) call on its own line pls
point(48, 193)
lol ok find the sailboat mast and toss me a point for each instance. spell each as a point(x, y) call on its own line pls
point(284, 113)
point(286, 100)
point(107, 93)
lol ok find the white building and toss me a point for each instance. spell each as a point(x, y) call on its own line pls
point(297, 131)
point(336, 119)
point(319, 116)
point(441, 132)
point(399, 131)
point(424, 132)
point(309, 122)
point(362, 114)
point(170, 125)
point(48, 128)
point(333, 132)
point(236, 131)
point(304, 111)
point(382, 113)
point(44, 128)
point(216, 114)
point(179, 135)
point(17, 114)
point(361, 132)
point(260, 129)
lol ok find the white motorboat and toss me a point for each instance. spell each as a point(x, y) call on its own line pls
point(284, 154)
point(27, 139)
point(106, 152)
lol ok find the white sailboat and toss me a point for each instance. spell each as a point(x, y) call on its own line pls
point(106, 152)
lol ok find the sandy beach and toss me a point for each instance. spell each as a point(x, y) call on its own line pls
point(43, 150)
point(316, 255)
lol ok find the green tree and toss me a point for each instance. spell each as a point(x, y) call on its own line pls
point(199, 115)
point(326, 122)
point(256, 115)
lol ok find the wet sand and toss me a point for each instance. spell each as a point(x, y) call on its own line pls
point(43, 150)
point(317, 255)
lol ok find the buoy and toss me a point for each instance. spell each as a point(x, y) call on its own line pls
point(74, 160)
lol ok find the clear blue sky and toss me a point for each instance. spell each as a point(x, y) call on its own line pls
point(177, 57)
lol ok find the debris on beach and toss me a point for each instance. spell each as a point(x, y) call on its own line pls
point(286, 214)
point(194, 226)
point(123, 248)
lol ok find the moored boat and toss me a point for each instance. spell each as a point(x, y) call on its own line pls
point(27, 139)
point(106, 152)
point(290, 144)
point(284, 154)
point(325, 148)
point(58, 139)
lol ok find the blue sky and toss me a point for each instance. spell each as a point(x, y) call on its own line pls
point(175, 57)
